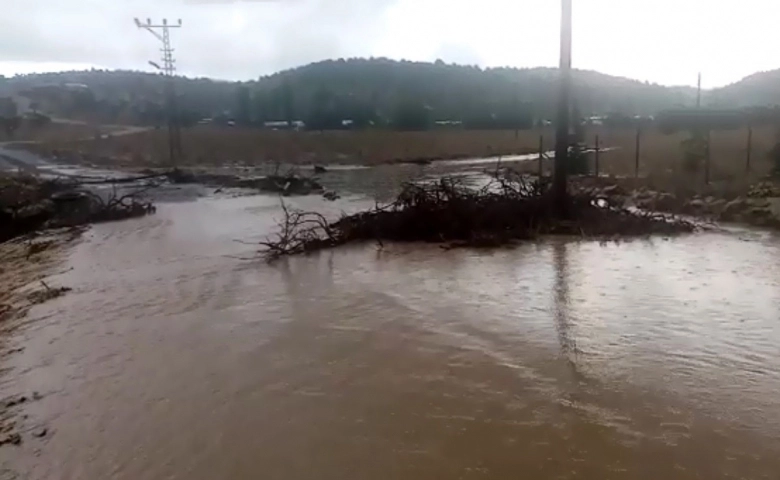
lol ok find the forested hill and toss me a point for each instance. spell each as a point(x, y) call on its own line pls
point(369, 91)
point(759, 89)
point(457, 91)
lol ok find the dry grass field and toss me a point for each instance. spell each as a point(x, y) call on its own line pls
point(209, 145)
point(53, 132)
point(659, 153)
point(660, 156)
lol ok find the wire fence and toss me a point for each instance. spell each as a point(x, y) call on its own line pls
point(636, 152)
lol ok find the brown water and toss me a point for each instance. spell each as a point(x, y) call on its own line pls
point(175, 359)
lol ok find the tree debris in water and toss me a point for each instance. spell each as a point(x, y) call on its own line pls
point(11, 439)
point(287, 184)
point(29, 203)
point(48, 293)
point(506, 210)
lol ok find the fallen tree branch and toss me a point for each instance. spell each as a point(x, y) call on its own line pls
point(508, 209)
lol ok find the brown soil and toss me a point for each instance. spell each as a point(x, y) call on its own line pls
point(756, 204)
point(24, 263)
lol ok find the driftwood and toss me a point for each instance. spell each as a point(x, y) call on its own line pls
point(118, 207)
point(508, 209)
point(29, 204)
point(287, 184)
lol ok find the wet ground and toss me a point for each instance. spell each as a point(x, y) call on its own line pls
point(176, 357)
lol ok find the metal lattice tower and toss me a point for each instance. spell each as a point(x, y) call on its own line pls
point(163, 34)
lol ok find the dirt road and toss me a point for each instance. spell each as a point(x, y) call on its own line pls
point(15, 158)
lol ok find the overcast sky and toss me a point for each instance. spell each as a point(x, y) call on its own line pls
point(663, 41)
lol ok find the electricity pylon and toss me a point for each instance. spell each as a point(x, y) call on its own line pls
point(162, 33)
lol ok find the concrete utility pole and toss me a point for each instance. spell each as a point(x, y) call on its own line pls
point(564, 101)
point(162, 33)
point(698, 92)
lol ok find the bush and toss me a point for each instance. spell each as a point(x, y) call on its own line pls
point(694, 151)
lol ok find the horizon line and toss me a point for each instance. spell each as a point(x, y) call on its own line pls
point(81, 68)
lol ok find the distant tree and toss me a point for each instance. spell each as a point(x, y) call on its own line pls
point(8, 107)
point(774, 155)
point(670, 121)
point(619, 119)
point(83, 100)
point(323, 114)
point(366, 91)
point(188, 117)
point(578, 161)
point(694, 150)
point(288, 102)
point(361, 113)
point(221, 119)
point(411, 115)
point(262, 107)
point(243, 108)
point(39, 120)
point(762, 115)
point(10, 125)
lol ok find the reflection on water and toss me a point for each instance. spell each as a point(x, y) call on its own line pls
point(174, 358)
point(561, 305)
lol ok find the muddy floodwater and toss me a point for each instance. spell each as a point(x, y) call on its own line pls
point(176, 358)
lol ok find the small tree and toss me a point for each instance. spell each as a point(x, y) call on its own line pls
point(774, 155)
point(578, 159)
point(10, 125)
point(411, 115)
point(243, 105)
point(39, 120)
point(694, 151)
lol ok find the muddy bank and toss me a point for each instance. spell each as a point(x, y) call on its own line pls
point(24, 264)
point(756, 205)
point(31, 203)
point(286, 184)
point(524, 153)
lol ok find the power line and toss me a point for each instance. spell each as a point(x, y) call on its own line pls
point(162, 33)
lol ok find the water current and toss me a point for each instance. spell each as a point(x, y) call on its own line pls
point(177, 356)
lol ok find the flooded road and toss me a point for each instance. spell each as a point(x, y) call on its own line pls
point(175, 358)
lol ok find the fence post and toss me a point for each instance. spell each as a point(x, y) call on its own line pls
point(541, 156)
point(598, 150)
point(749, 148)
point(636, 156)
point(707, 160)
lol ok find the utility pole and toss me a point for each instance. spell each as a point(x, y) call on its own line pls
point(162, 33)
point(562, 134)
point(698, 92)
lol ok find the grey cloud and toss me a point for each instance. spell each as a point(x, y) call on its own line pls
point(236, 40)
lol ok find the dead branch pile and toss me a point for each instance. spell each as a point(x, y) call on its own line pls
point(506, 210)
point(287, 184)
point(29, 204)
point(116, 207)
